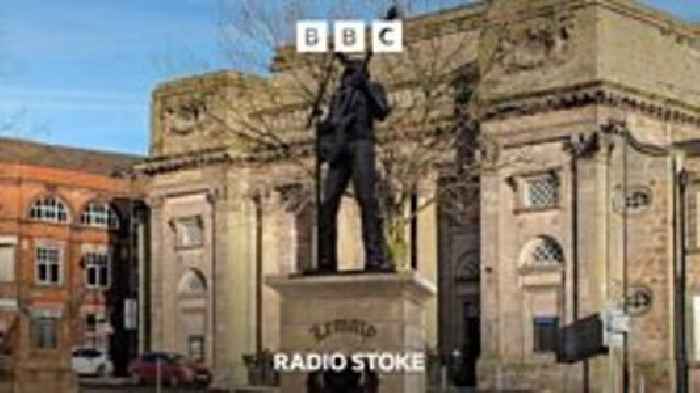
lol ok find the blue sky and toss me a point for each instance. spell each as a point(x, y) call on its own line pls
point(80, 72)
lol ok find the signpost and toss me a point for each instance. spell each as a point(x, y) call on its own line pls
point(616, 324)
point(581, 340)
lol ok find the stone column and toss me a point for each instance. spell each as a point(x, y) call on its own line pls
point(144, 279)
point(212, 200)
point(590, 160)
point(156, 279)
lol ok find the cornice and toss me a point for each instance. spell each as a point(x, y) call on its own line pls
point(457, 20)
point(301, 147)
point(594, 93)
point(175, 162)
point(214, 80)
point(618, 127)
point(18, 181)
point(665, 22)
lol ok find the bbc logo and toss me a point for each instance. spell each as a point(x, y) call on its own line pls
point(349, 36)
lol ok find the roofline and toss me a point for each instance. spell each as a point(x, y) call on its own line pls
point(135, 157)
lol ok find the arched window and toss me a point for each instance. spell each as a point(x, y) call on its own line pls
point(193, 283)
point(468, 267)
point(99, 214)
point(543, 251)
point(49, 208)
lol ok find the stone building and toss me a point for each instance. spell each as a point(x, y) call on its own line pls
point(66, 245)
point(589, 102)
point(222, 218)
point(591, 108)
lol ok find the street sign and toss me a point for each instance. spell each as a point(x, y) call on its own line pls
point(581, 340)
point(620, 324)
point(615, 324)
point(696, 327)
point(130, 314)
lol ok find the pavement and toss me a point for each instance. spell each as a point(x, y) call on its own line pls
point(136, 389)
point(109, 385)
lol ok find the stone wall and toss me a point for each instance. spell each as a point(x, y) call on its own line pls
point(550, 71)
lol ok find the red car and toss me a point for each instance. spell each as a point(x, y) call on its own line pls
point(174, 369)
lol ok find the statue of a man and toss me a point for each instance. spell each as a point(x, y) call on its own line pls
point(347, 144)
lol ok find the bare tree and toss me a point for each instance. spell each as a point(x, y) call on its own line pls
point(433, 85)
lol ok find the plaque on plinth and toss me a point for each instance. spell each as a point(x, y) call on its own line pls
point(353, 313)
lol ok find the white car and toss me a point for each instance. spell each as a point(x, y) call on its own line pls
point(91, 361)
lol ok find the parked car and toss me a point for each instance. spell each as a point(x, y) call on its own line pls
point(175, 369)
point(91, 361)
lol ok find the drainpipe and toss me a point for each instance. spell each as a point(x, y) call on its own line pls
point(625, 337)
point(258, 273)
point(212, 282)
point(413, 238)
point(681, 349)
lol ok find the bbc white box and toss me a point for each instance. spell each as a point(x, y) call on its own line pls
point(387, 36)
point(349, 36)
point(312, 36)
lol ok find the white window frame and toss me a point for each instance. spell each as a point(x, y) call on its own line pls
point(91, 264)
point(10, 243)
point(99, 215)
point(59, 263)
point(50, 208)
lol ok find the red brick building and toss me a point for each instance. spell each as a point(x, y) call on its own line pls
point(66, 244)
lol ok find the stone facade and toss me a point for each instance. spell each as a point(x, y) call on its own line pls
point(586, 102)
point(254, 218)
point(598, 125)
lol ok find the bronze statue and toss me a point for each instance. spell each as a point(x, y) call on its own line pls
point(346, 144)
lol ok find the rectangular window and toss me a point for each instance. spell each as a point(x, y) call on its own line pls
point(90, 323)
point(541, 192)
point(7, 262)
point(196, 348)
point(97, 270)
point(48, 266)
point(545, 334)
point(190, 232)
point(44, 333)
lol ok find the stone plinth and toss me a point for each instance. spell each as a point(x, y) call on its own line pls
point(363, 312)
